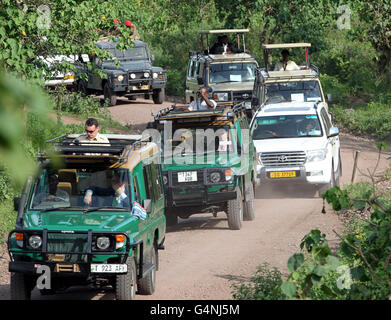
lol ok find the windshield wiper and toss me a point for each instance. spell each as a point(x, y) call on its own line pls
point(55, 209)
point(100, 208)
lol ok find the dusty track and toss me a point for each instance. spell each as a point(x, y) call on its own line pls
point(202, 254)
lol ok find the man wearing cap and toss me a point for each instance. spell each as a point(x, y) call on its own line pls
point(285, 64)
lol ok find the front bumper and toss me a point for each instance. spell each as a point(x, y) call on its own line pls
point(312, 173)
point(75, 258)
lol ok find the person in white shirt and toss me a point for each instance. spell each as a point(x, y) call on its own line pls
point(92, 133)
point(203, 103)
point(285, 64)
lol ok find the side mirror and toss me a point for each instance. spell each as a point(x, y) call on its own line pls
point(200, 81)
point(147, 204)
point(152, 57)
point(334, 131)
point(329, 97)
point(16, 203)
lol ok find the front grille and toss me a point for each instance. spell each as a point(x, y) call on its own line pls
point(241, 95)
point(283, 159)
point(65, 243)
point(139, 76)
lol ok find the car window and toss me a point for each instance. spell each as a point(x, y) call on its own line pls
point(326, 120)
point(232, 72)
point(286, 126)
point(67, 187)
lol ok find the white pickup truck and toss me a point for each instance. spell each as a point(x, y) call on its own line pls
point(296, 141)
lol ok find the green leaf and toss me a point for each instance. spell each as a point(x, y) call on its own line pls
point(288, 288)
point(320, 270)
point(295, 261)
point(332, 262)
point(358, 272)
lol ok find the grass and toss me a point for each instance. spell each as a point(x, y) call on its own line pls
point(7, 219)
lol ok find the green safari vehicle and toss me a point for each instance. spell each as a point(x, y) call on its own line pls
point(208, 162)
point(110, 237)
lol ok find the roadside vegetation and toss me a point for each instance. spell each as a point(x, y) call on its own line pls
point(358, 269)
point(350, 45)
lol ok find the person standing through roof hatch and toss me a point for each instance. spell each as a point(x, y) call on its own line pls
point(285, 64)
point(92, 132)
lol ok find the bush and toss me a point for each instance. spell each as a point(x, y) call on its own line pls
point(373, 119)
point(264, 285)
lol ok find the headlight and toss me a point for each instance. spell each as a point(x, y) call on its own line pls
point(133, 76)
point(146, 75)
point(214, 177)
point(221, 96)
point(316, 155)
point(102, 243)
point(120, 77)
point(155, 75)
point(35, 242)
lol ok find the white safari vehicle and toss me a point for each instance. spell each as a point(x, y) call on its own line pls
point(295, 142)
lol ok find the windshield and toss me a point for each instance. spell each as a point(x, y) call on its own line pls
point(80, 189)
point(200, 141)
point(232, 72)
point(135, 53)
point(293, 91)
point(287, 126)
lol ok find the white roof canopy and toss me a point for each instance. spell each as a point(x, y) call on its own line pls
point(286, 45)
point(224, 31)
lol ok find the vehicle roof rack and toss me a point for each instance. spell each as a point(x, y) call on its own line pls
point(68, 145)
point(311, 73)
point(172, 113)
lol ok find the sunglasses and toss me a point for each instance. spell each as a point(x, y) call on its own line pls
point(90, 131)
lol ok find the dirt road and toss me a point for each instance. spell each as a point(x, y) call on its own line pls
point(202, 254)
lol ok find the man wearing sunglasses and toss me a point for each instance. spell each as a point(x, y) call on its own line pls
point(92, 134)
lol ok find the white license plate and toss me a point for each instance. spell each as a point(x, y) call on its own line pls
point(188, 176)
point(109, 268)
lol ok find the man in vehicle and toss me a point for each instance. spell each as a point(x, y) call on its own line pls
point(285, 64)
point(114, 196)
point(203, 102)
point(52, 194)
point(223, 46)
point(310, 127)
point(92, 133)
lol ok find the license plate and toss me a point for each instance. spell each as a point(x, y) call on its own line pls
point(282, 174)
point(109, 268)
point(145, 87)
point(188, 176)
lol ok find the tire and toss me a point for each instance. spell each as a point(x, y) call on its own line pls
point(109, 95)
point(82, 88)
point(235, 211)
point(146, 285)
point(125, 288)
point(248, 206)
point(21, 286)
point(158, 96)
